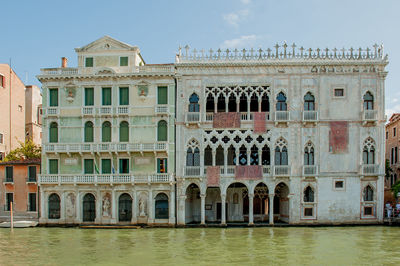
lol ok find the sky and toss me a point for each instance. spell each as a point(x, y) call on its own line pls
point(36, 34)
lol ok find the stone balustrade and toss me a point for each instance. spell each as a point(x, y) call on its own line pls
point(370, 169)
point(310, 116)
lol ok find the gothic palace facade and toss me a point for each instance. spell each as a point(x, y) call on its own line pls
point(287, 134)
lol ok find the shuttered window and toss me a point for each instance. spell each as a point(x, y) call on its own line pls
point(124, 166)
point(53, 166)
point(32, 202)
point(162, 134)
point(124, 132)
point(106, 96)
point(9, 174)
point(89, 96)
point(53, 95)
point(124, 96)
point(162, 165)
point(123, 61)
point(88, 166)
point(89, 132)
point(53, 132)
point(89, 62)
point(106, 166)
point(32, 173)
point(162, 95)
point(106, 132)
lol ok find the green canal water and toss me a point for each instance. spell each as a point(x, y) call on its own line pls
point(367, 245)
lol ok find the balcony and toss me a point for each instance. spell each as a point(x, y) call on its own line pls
point(105, 110)
point(122, 110)
point(88, 111)
point(192, 118)
point(161, 109)
point(105, 147)
point(31, 180)
point(282, 116)
point(51, 111)
point(310, 116)
point(192, 171)
point(369, 116)
point(370, 169)
point(8, 180)
point(309, 170)
point(59, 71)
point(282, 170)
point(105, 179)
point(228, 171)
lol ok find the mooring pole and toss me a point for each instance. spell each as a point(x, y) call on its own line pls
point(12, 218)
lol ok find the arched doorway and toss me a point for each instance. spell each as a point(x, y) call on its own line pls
point(213, 200)
point(281, 203)
point(193, 204)
point(237, 203)
point(125, 208)
point(54, 206)
point(261, 203)
point(161, 206)
point(89, 208)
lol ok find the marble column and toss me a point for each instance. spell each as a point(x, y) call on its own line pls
point(203, 208)
point(271, 208)
point(223, 209)
point(181, 210)
point(78, 207)
point(251, 215)
point(43, 213)
point(172, 206)
point(99, 202)
point(150, 208)
point(62, 207)
point(134, 208)
point(113, 207)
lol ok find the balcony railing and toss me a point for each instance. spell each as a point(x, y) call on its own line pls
point(8, 180)
point(105, 179)
point(244, 116)
point(123, 110)
point(228, 171)
point(370, 169)
point(192, 171)
point(310, 116)
point(369, 115)
point(88, 110)
point(105, 147)
point(309, 170)
point(105, 110)
point(282, 116)
point(52, 111)
point(192, 117)
point(31, 180)
point(60, 71)
point(161, 109)
point(281, 170)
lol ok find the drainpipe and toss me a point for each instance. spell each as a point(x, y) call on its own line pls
point(176, 191)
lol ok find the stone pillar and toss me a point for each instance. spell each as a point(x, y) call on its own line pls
point(113, 207)
point(226, 104)
point(225, 161)
point(134, 208)
point(181, 210)
point(203, 208)
point(215, 105)
point(62, 207)
point(237, 151)
point(201, 163)
point(248, 108)
point(259, 104)
point(248, 153)
point(238, 105)
point(251, 215)
point(271, 208)
point(99, 202)
point(43, 213)
point(172, 206)
point(150, 208)
point(214, 152)
point(223, 209)
point(78, 207)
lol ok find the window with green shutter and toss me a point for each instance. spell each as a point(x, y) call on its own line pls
point(106, 96)
point(9, 174)
point(89, 62)
point(123, 61)
point(162, 97)
point(89, 96)
point(53, 132)
point(106, 132)
point(88, 166)
point(124, 132)
point(53, 166)
point(124, 96)
point(106, 166)
point(88, 134)
point(53, 97)
point(162, 165)
point(32, 173)
point(124, 166)
point(162, 134)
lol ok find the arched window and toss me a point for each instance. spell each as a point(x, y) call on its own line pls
point(124, 131)
point(309, 155)
point(161, 206)
point(243, 103)
point(221, 104)
point(368, 101)
point(254, 155)
point(162, 133)
point(88, 132)
point(232, 106)
point(309, 102)
point(308, 194)
point(106, 132)
point(281, 155)
point(254, 103)
point(53, 132)
point(265, 103)
point(369, 151)
point(219, 156)
point(242, 155)
point(125, 208)
point(194, 103)
point(208, 156)
point(54, 206)
point(89, 208)
point(231, 155)
point(266, 156)
point(281, 102)
point(368, 193)
point(210, 104)
point(193, 157)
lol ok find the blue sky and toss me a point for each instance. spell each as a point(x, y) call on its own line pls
point(36, 34)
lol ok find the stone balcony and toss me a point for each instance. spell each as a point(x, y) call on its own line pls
point(310, 170)
point(282, 117)
point(370, 169)
point(244, 116)
point(310, 116)
point(161, 109)
point(107, 179)
point(105, 147)
point(369, 116)
point(230, 171)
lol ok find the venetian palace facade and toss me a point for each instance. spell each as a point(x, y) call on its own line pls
point(286, 134)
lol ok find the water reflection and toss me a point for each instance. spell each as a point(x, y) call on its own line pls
point(206, 246)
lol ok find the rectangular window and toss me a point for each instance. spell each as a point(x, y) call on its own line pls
point(88, 165)
point(392, 156)
point(124, 166)
point(339, 184)
point(1, 138)
point(387, 135)
point(9, 174)
point(395, 154)
point(89, 62)
point(339, 92)
point(106, 166)
point(162, 165)
point(53, 97)
point(394, 132)
point(2, 81)
point(9, 199)
point(106, 96)
point(368, 211)
point(32, 202)
point(89, 96)
point(123, 61)
point(32, 173)
point(53, 166)
point(162, 95)
point(1, 156)
point(124, 96)
point(308, 212)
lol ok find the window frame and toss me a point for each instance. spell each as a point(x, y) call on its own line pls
point(2, 81)
point(84, 96)
point(6, 200)
point(339, 96)
point(158, 165)
point(158, 99)
point(335, 180)
point(49, 98)
point(7, 178)
point(127, 61)
point(119, 95)
point(29, 173)
point(119, 165)
point(58, 166)
point(29, 202)
point(84, 166)
point(85, 62)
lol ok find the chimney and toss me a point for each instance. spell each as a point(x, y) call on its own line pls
point(64, 61)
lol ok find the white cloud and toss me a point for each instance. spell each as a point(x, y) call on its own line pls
point(235, 17)
point(241, 42)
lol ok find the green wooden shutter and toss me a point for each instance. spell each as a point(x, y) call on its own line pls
point(89, 62)
point(106, 100)
point(53, 166)
point(123, 96)
point(32, 173)
point(158, 165)
point(124, 132)
point(53, 93)
point(105, 166)
point(9, 173)
point(89, 96)
point(123, 61)
point(106, 132)
point(166, 165)
point(162, 95)
point(162, 134)
point(88, 166)
point(89, 132)
point(53, 132)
